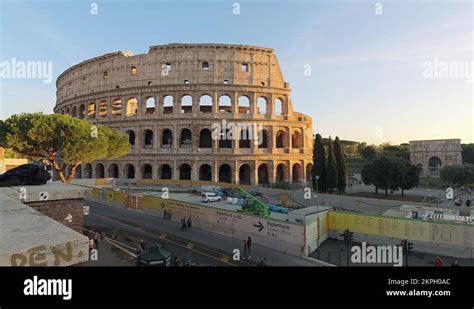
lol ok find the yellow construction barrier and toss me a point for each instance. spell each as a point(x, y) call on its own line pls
point(116, 197)
point(403, 228)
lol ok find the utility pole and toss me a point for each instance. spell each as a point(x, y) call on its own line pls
point(407, 248)
point(348, 238)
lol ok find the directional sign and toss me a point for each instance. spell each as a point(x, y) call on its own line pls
point(259, 225)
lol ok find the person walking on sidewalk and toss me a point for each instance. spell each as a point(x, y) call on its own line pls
point(183, 224)
point(249, 244)
point(438, 261)
point(189, 223)
point(246, 248)
point(96, 240)
point(141, 246)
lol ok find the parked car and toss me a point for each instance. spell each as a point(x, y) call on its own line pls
point(208, 197)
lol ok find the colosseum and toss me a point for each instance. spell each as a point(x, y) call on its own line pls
point(171, 102)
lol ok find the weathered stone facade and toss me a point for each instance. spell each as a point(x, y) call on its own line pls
point(432, 155)
point(170, 102)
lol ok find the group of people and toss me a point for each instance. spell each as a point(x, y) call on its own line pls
point(186, 224)
point(439, 262)
point(459, 202)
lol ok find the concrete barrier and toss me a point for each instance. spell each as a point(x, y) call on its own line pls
point(29, 238)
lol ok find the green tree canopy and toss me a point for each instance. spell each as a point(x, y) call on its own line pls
point(468, 153)
point(65, 141)
point(331, 168)
point(458, 175)
point(409, 175)
point(390, 173)
point(369, 153)
point(319, 164)
point(341, 165)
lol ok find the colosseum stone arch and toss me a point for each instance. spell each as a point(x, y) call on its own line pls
point(170, 99)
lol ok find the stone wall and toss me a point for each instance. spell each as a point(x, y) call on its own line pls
point(59, 210)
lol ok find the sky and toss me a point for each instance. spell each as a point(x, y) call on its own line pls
point(371, 71)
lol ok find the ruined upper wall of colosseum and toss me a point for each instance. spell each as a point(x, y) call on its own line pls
point(186, 64)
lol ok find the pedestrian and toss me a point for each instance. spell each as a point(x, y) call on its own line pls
point(183, 224)
point(262, 263)
point(91, 245)
point(249, 244)
point(245, 249)
point(141, 246)
point(96, 240)
point(438, 261)
point(455, 263)
point(189, 223)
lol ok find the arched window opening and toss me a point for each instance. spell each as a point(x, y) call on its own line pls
point(131, 137)
point(225, 104)
point(167, 139)
point(103, 109)
point(244, 174)
point(205, 104)
point(225, 173)
point(147, 172)
point(91, 110)
point(262, 106)
point(116, 108)
point(186, 138)
point(280, 139)
point(150, 106)
point(132, 106)
point(205, 138)
point(205, 173)
point(168, 105)
point(148, 139)
point(244, 105)
point(186, 104)
point(185, 172)
point(166, 172)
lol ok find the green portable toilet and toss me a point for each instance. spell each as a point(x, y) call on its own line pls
point(155, 256)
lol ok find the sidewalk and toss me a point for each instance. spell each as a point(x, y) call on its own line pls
point(149, 219)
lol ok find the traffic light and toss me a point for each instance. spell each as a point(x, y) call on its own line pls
point(407, 246)
point(351, 235)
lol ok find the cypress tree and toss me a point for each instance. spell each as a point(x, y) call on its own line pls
point(319, 164)
point(331, 168)
point(341, 165)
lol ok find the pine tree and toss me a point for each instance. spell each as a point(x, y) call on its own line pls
point(341, 165)
point(331, 168)
point(319, 167)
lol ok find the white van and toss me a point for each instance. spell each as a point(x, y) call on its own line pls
point(208, 197)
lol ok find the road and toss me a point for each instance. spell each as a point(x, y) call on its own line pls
point(201, 247)
point(128, 231)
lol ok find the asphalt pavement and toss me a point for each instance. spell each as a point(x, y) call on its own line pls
point(200, 246)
